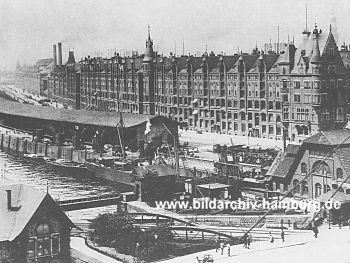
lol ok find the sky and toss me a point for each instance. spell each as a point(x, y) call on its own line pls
point(29, 28)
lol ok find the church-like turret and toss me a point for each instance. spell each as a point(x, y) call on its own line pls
point(149, 54)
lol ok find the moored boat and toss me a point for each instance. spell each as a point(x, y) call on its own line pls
point(34, 157)
point(68, 167)
point(112, 169)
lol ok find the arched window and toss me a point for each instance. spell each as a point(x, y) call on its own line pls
point(321, 168)
point(339, 173)
point(43, 240)
point(43, 229)
point(296, 186)
point(304, 188)
point(303, 168)
point(318, 190)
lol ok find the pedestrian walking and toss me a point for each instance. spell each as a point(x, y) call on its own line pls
point(340, 221)
point(245, 241)
point(271, 239)
point(228, 246)
point(249, 240)
point(222, 246)
point(282, 235)
point(217, 244)
point(315, 229)
point(199, 260)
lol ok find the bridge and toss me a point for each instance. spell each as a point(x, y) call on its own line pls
point(186, 228)
point(89, 202)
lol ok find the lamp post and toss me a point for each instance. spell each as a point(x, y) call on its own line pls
point(250, 132)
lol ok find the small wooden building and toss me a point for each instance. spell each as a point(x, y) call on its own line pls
point(33, 227)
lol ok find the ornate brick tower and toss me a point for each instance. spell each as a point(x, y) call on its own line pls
point(148, 77)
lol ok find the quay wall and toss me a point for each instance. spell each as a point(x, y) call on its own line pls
point(18, 145)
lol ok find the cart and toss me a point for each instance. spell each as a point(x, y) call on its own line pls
point(208, 258)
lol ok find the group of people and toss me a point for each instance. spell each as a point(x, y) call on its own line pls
point(272, 239)
point(220, 246)
point(252, 156)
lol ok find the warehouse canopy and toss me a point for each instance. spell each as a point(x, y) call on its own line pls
point(96, 118)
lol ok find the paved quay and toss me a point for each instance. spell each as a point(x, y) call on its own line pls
point(332, 245)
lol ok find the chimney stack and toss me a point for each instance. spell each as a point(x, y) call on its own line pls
point(54, 57)
point(9, 201)
point(60, 54)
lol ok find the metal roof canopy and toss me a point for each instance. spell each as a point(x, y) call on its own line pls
point(96, 118)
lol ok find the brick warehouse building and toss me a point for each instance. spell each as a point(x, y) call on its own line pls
point(297, 91)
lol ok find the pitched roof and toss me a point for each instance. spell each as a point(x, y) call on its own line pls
point(287, 160)
point(338, 196)
point(345, 56)
point(97, 118)
point(330, 137)
point(25, 197)
point(343, 153)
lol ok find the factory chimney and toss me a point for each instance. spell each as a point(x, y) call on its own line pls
point(60, 54)
point(54, 57)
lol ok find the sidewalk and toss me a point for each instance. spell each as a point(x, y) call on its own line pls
point(78, 244)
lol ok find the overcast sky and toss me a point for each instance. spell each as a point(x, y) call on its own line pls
point(28, 28)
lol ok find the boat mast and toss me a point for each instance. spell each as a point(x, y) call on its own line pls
point(121, 125)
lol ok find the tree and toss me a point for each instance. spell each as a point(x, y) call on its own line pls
point(118, 230)
point(115, 230)
point(155, 243)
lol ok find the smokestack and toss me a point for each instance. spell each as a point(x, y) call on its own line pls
point(9, 202)
point(60, 54)
point(54, 57)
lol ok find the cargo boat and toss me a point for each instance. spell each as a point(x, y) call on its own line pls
point(31, 157)
point(113, 170)
point(67, 167)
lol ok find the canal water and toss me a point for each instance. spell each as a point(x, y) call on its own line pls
point(61, 186)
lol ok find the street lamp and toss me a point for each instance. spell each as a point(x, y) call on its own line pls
point(250, 132)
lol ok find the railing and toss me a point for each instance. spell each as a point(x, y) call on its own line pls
point(89, 199)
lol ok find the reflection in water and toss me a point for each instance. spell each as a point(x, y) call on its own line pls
point(61, 186)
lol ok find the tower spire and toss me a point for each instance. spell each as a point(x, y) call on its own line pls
point(306, 30)
point(306, 17)
point(149, 32)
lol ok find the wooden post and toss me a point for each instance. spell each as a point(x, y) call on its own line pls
point(25, 145)
point(186, 234)
point(17, 142)
point(2, 141)
point(9, 144)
